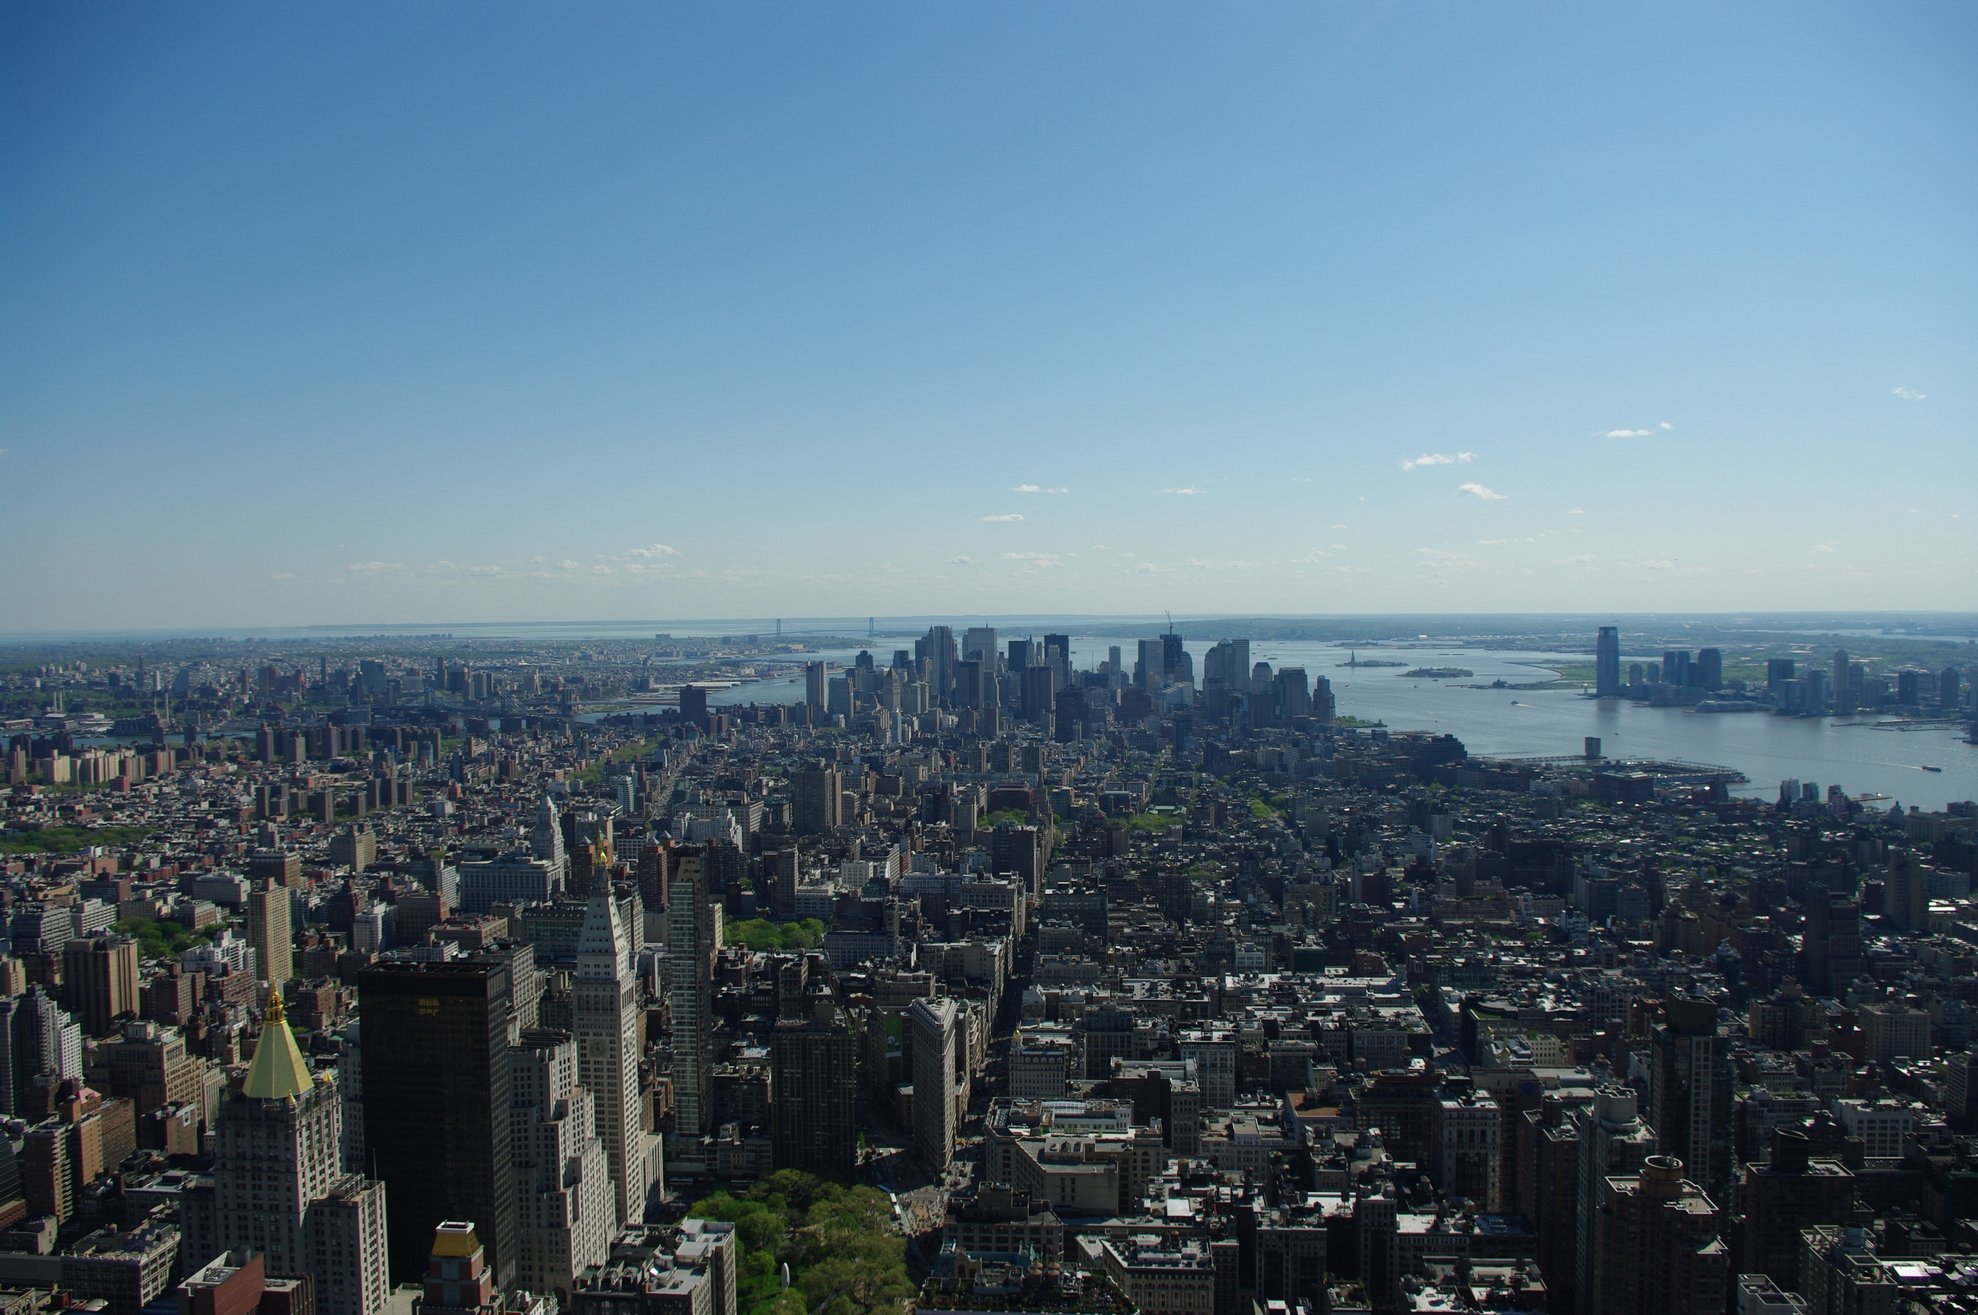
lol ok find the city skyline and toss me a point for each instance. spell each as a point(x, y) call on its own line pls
point(369, 316)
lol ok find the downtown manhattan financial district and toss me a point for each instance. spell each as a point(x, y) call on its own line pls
point(949, 970)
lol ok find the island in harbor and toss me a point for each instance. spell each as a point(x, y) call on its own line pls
point(1438, 673)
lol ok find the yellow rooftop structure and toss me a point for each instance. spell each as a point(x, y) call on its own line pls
point(277, 1071)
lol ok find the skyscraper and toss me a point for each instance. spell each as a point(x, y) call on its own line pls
point(605, 999)
point(691, 942)
point(816, 799)
point(1612, 1140)
point(815, 681)
point(937, 648)
point(813, 1109)
point(979, 643)
point(38, 1040)
point(1659, 1251)
point(935, 1025)
point(437, 1122)
point(99, 976)
point(567, 1212)
point(278, 1185)
point(1148, 671)
point(546, 839)
point(269, 933)
point(1690, 1087)
point(1607, 663)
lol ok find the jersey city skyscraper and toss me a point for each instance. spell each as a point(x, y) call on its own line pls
point(1607, 663)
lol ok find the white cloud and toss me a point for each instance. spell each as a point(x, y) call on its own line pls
point(1577, 511)
point(278, 575)
point(1439, 563)
point(1311, 558)
point(1652, 564)
point(445, 567)
point(1033, 558)
point(1184, 492)
point(1828, 546)
point(961, 561)
point(654, 550)
point(1037, 488)
point(1149, 568)
point(1492, 543)
point(1479, 491)
point(1665, 425)
point(376, 568)
point(1003, 519)
point(1439, 459)
point(1630, 433)
point(1908, 394)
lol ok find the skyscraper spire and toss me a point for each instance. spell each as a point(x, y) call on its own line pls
point(277, 1071)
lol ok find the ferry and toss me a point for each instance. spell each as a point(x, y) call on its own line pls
point(1928, 768)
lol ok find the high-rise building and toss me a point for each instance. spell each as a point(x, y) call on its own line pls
point(1831, 949)
point(692, 938)
point(38, 1042)
point(1709, 670)
point(1177, 667)
point(1612, 1141)
point(1658, 1251)
point(1148, 670)
point(1057, 656)
point(437, 1120)
point(546, 839)
point(979, 644)
point(935, 1026)
point(1842, 670)
point(816, 799)
point(1906, 892)
point(99, 977)
point(278, 1186)
point(268, 932)
point(813, 1108)
point(1777, 1200)
point(817, 680)
point(565, 1201)
point(605, 1000)
point(1607, 663)
point(1690, 1088)
point(938, 649)
point(1038, 695)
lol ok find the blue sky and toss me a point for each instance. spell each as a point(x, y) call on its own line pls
point(394, 312)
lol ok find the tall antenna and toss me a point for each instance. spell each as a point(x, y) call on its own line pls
point(1170, 622)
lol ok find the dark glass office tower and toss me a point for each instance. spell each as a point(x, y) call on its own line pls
point(814, 1116)
point(1607, 663)
point(436, 1097)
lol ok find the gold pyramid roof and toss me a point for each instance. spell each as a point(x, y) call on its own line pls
point(277, 1071)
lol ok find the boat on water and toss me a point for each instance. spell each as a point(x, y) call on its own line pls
point(1928, 768)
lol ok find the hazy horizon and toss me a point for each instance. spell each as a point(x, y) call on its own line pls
point(399, 311)
point(1442, 625)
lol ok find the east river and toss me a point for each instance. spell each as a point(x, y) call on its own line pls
point(1862, 755)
